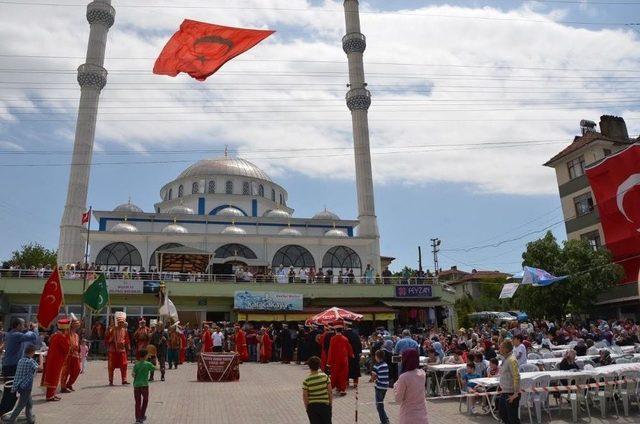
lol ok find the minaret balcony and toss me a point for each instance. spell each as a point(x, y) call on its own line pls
point(358, 99)
point(354, 42)
point(101, 12)
point(92, 75)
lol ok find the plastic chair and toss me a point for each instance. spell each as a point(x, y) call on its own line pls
point(593, 350)
point(623, 360)
point(548, 355)
point(525, 398)
point(605, 393)
point(541, 399)
point(577, 397)
point(533, 356)
point(600, 345)
point(528, 368)
point(615, 349)
point(628, 389)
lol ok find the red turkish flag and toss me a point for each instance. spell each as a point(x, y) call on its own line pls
point(200, 49)
point(50, 300)
point(615, 183)
point(85, 217)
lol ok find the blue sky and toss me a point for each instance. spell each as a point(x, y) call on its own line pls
point(495, 73)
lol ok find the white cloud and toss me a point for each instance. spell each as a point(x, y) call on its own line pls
point(8, 145)
point(287, 106)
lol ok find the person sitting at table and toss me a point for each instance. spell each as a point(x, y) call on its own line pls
point(605, 358)
point(591, 349)
point(581, 348)
point(480, 364)
point(568, 361)
point(494, 368)
point(432, 357)
point(540, 366)
point(470, 373)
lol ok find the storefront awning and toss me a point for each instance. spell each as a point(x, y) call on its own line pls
point(413, 303)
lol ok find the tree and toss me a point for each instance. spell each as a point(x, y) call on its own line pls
point(590, 272)
point(32, 254)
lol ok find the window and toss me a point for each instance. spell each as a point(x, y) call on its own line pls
point(246, 188)
point(584, 204)
point(228, 187)
point(273, 195)
point(293, 255)
point(180, 190)
point(212, 187)
point(234, 249)
point(280, 198)
point(170, 193)
point(593, 238)
point(119, 255)
point(195, 188)
point(152, 259)
point(607, 152)
point(576, 167)
point(341, 257)
point(261, 190)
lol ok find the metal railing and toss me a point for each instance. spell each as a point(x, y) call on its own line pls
point(72, 274)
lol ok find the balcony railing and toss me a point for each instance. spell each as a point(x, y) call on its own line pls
point(214, 278)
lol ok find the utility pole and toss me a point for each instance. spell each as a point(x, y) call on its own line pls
point(435, 248)
point(420, 260)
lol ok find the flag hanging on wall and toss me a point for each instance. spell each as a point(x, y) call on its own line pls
point(50, 300)
point(200, 49)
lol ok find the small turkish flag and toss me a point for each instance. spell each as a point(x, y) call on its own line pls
point(50, 300)
point(85, 217)
point(200, 49)
point(615, 182)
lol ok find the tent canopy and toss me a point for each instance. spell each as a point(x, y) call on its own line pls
point(183, 259)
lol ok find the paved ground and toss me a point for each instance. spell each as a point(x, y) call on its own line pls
point(267, 394)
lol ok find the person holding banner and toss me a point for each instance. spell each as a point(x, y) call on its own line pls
point(118, 344)
point(207, 341)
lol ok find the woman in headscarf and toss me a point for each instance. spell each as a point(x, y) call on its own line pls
point(605, 358)
point(409, 390)
point(387, 347)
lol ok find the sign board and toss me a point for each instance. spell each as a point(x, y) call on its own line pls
point(417, 291)
point(133, 286)
point(267, 301)
point(219, 367)
point(508, 290)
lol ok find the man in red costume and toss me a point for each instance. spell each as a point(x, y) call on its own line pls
point(56, 355)
point(340, 352)
point(265, 345)
point(72, 365)
point(142, 336)
point(241, 344)
point(207, 341)
point(118, 345)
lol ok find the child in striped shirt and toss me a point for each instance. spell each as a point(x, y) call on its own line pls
point(380, 375)
point(316, 393)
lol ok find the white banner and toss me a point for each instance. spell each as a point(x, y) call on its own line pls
point(125, 286)
point(508, 290)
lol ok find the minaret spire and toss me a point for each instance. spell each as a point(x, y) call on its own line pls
point(358, 100)
point(92, 78)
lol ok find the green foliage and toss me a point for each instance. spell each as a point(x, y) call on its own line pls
point(405, 272)
point(590, 271)
point(463, 307)
point(32, 254)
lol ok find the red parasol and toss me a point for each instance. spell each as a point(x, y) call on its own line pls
point(335, 314)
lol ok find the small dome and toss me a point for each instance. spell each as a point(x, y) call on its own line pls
point(179, 210)
point(289, 232)
point(124, 227)
point(233, 229)
point(230, 211)
point(175, 228)
point(335, 233)
point(326, 215)
point(127, 207)
point(277, 213)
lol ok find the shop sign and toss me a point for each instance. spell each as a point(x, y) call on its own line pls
point(416, 291)
point(133, 286)
point(267, 301)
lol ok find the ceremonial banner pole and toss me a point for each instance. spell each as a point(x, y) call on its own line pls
point(84, 278)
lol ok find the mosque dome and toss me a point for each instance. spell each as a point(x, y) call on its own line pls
point(225, 166)
point(175, 229)
point(326, 215)
point(124, 227)
point(233, 229)
point(127, 207)
point(335, 233)
point(289, 232)
point(230, 212)
point(277, 213)
point(179, 210)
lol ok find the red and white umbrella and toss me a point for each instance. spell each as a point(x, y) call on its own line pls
point(335, 314)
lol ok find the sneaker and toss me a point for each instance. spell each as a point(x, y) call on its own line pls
point(124, 383)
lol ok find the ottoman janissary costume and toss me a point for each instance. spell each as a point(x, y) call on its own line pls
point(56, 356)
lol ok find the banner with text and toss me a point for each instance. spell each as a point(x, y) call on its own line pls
point(267, 301)
point(419, 291)
point(133, 286)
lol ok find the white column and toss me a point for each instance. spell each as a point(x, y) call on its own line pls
point(92, 77)
point(358, 101)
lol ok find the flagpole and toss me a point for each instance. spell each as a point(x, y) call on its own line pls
point(86, 266)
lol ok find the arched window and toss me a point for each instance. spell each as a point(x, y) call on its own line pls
point(212, 186)
point(119, 255)
point(261, 190)
point(273, 195)
point(152, 259)
point(246, 188)
point(229, 187)
point(280, 198)
point(293, 255)
point(234, 249)
point(170, 193)
point(195, 188)
point(341, 257)
point(180, 190)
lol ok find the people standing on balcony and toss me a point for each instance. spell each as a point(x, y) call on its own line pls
point(303, 276)
point(350, 276)
point(320, 276)
point(291, 275)
point(368, 275)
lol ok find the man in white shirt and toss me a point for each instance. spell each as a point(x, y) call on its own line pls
point(218, 339)
point(519, 350)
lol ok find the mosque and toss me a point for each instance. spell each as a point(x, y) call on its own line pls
point(233, 210)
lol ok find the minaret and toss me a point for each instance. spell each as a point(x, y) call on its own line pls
point(358, 101)
point(92, 78)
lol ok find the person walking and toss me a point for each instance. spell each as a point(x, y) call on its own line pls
point(380, 375)
point(159, 339)
point(340, 352)
point(141, 371)
point(174, 345)
point(22, 384)
point(316, 393)
point(409, 390)
point(14, 341)
point(509, 398)
point(405, 343)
